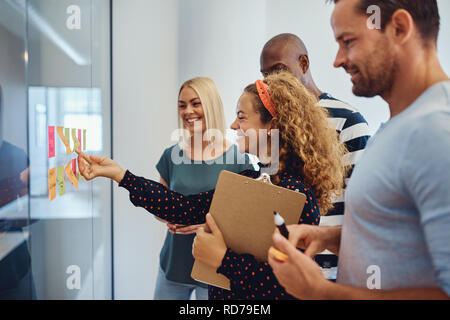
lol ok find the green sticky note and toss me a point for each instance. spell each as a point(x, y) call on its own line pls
point(60, 181)
point(67, 135)
point(84, 139)
point(76, 143)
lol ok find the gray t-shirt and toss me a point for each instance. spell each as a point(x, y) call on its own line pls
point(397, 214)
point(187, 177)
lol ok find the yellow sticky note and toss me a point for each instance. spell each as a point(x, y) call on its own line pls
point(60, 180)
point(71, 175)
point(84, 139)
point(76, 142)
point(67, 135)
point(52, 183)
point(63, 139)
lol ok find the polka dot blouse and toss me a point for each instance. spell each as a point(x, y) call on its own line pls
point(250, 279)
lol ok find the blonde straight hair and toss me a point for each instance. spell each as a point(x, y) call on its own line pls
point(209, 96)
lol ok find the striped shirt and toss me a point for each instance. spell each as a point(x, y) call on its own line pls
point(353, 131)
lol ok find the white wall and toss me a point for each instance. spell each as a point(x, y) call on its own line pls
point(444, 35)
point(158, 45)
point(144, 113)
point(221, 40)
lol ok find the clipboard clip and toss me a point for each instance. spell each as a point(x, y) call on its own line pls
point(264, 177)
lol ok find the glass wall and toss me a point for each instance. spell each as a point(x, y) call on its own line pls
point(55, 227)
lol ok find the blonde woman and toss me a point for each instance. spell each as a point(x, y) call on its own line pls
point(309, 160)
point(189, 167)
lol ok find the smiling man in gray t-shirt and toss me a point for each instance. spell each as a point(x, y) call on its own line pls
point(395, 235)
point(397, 221)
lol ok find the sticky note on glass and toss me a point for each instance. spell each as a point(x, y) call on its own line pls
point(84, 139)
point(70, 174)
point(51, 141)
point(67, 135)
point(76, 142)
point(63, 139)
point(79, 139)
point(60, 180)
point(52, 183)
point(74, 166)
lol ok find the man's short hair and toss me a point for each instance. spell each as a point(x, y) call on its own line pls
point(425, 14)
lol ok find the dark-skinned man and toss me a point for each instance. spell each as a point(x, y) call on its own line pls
point(288, 52)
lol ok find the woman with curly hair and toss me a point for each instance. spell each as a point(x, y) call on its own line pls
point(307, 145)
point(309, 161)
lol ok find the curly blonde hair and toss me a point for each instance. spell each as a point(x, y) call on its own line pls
point(307, 143)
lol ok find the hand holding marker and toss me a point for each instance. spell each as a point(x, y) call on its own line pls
point(281, 225)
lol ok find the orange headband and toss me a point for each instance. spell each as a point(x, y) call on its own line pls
point(264, 95)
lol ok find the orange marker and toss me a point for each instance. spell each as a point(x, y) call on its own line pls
point(278, 255)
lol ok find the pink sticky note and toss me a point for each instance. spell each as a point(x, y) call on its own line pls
point(51, 141)
point(79, 139)
point(74, 166)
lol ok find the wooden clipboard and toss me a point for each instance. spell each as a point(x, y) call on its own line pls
point(243, 210)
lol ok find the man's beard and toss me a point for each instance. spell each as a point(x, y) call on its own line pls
point(378, 77)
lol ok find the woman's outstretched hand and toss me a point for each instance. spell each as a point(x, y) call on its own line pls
point(94, 166)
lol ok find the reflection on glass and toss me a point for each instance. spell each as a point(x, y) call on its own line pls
point(16, 280)
point(15, 265)
point(54, 72)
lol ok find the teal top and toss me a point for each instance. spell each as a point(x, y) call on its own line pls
point(187, 176)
